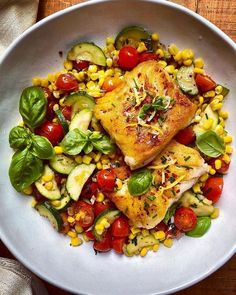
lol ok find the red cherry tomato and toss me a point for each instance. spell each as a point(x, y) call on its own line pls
point(90, 188)
point(66, 111)
point(50, 112)
point(90, 235)
point(87, 211)
point(118, 244)
point(66, 82)
point(204, 83)
point(185, 219)
point(147, 56)
point(161, 226)
point(224, 166)
point(120, 227)
point(104, 245)
point(99, 207)
point(128, 58)
point(38, 197)
point(106, 180)
point(185, 136)
point(80, 65)
point(58, 178)
point(52, 131)
point(111, 83)
point(213, 187)
point(48, 93)
point(173, 232)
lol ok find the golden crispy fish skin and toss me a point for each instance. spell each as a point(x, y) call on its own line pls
point(118, 113)
point(182, 168)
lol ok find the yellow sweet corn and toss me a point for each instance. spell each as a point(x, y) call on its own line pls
point(208, 123)
point(220, 97)
point(49, 186)
point(204, 177)
point(97, 157)
point(197, 188)
point(36, 81)
point(119, 184)
point(155, 247)
point(226, 158)
point(28, 190)
point(110, 40)
point(76, 242)
point(85, 237)
point(188, 62)
point(224, 115)
point(100, 197)
point(199, 63)
point(198, 71)
point(212, 171)
point(173, 49)
point(229, 149)
point(219, 129)
point(91, 85)
point(155, 37)
point(92, 68)
point(218, 164)
point(70, 219)
point(72, 234)
point(135, 230)
point(94, 76)
point(170, 69)
point(228, 139)
point(168, 243)
point(162, 63)
point(215, 213)
point(141, 47)
point(58, 150)
point(216, 106)
point(87, 159)
point(160, 52)
point(187, 54)
point(99, 165)
point(109, 62)
point(78, 229)
point(218, 89)
point(33, 203)
point(79, 159)
point(178, 56)
point(159, 235)
point(210, 93)
point(143, 252)
point(68, 65)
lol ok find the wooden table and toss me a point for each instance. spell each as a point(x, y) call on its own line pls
point(223, 14)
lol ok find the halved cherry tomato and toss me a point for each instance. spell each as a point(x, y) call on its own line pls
point(80, 65)
point(52, 131)
point(99, 207)
point(224, 166)
point(66, 82)
point(104, 245)
point(87, 216)
point(120, 227)
point(185, 136)
point(48, 93)
point(147, 56)
point(118, 244)
point(161, 226)
point(111, 83)
point(90, 235)
point(50, 112)
point(58, 178)
point(185, 219)
point(38, 196)
point(128, 58)
point(204, 83)
point(90, 188)
point(106, 180)
point(66, 111)
point(173, 232)
point(213, 187)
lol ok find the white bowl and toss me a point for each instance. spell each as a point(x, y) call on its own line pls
point(30, 237)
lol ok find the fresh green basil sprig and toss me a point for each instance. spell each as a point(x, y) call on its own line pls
point(170, 212)
point(19, 138)
point(203, 224)
point(77, 141)
point(210, 144)
point(139, 182)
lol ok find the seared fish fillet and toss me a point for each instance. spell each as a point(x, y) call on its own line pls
point(175, 170)
point(141, 131)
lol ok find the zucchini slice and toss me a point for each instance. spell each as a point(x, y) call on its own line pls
point(77, 178)
point(131, 36)
point(81, 120)
point(87, 51)
point(64, 201)
point(62, 164)
point(225, 90)
point(136, 245)
point(110, 214)
point(52, 193)
point(62, 120)
point(186, 81)
point(46, 210)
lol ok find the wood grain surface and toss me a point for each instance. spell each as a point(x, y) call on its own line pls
point(223, 14)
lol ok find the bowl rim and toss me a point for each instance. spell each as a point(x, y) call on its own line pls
point(57, 14)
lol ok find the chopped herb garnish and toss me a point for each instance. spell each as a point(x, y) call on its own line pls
point(151, 198)
point(161, 120)
point(134, 241)
point(113, 105)
point(194, 205)
point(187, 158)
point(136, 85)
point(206, 116)
point(146, 205)
point(154, 216)
point(163, 159)
point(171, 179)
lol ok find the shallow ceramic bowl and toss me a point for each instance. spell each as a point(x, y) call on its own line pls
point(30, 237)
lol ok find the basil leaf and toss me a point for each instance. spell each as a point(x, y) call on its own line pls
point(103, 144)
point(203, 224)
point(88, 148)
point(25, 169)
point(140, 182)
point(42, 147)
point(210, 144)
point(19, 138)
point(33, 106)
point(170, 212)
point(74, 142)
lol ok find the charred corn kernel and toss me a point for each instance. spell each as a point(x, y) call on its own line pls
point(168, 243)
point(131, 236)
point(76, 242)
point(33, 203)
point(143, 252)
point(206, 201)
point(100, 197)
point(94, 76)
point(155, 247)
point(226, 158)
point(159, 235)
point(58, 150)
point(155, 37)
point(220, 97)
point(170, 69)
point(56, 94)
point(204, 177)
point(201, 100)
point(36, 81)
point(99, 165)
point(224, 114)
point(119, 184)
point(222, 122)
point(218, 164)
point(188, 62)
point(217, 106)
point(97, 157)
point(197, 188)
point(212, 171)
point(162, 63)
point(78, 229)
point(28, 190)
point(68, 65)
point(48, 185)
point(109, 62)
point(91, 85)
point(92, 68)
point(208, 123)
point(110, 40)
point(199, 63)
point(141, 47)
point(160, 52)
point(70, 219)
point(145, 232)
point(79, 159)
point(178, 56)
point(56, 203)
point(197, 118)
point(228, 139)
point(198, 70)
point(173, 49)
point(210, 93)
point(219, 130)
point(72, 234)
point(215, 213)
point(85, 237)
point(187, 54)
point(135, 230)
point(87, 159)
point(229, 149)
point(218, 89)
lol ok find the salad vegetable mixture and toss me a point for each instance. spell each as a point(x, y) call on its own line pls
point(64, 158)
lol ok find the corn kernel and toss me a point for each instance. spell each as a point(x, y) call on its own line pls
point(78, 229)
point(33, 203)
point(217, 106)
point(131, 236)
point(49, 186)
point(198, 71)
point(210, 93)
point(208, 123)
point(226, 158)
point(119, 184)
point(51, 77)
point(91, 85)
point(141, 47)
point(159, 235)
point(36, 81)
point(219, 129)
point(170, 69)
point(215, 213)
point(85, 237)
point(224, 114)
point(99, 228)
point(75, 242)
point(173, 49)
point(229, 149)
point(197, 188)
point(79, 159)
point(197, 118)
point(72, 234)
point(94, 76)
point(168, 243)
point(87, 159)
point(97, 157)
point(68, 65)
point(212, 171)
point(218, 164)
point(220, 97)
point(218, 89)
point(155, 37)
point(162, 63)
point(56, 94)
point(55, 120)
point(100, 197)
point(178, 56)
point(110, 40)
point(222, 122)
point(201, 100)
point(145, 232)
point(44, 82)
point(92, 68)
point(204, 106)
point(70, 219)
point(109, 62)
point(109, 72)
point(199, 63)
point(187, 54)
point(28, 190)
point(58, 150)
point(228, 139)
point(79, 215)
point(204, 177)
point(187, 62)
point(99, 165)
point(105, 161)
point(155, 247)
point(135, 230)
point(160, 52)
point(143, 252)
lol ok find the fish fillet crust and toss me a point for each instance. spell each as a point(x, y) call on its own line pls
point(118, 113)
point(174, 171)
